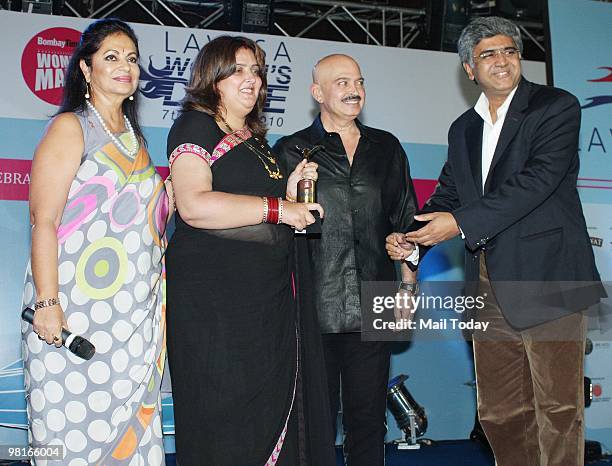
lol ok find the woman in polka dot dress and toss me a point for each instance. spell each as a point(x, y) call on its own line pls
point(98, 211)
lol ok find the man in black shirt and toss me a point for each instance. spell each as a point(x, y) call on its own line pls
point(365, 187)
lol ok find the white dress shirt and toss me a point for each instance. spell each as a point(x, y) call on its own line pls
point(490, 130)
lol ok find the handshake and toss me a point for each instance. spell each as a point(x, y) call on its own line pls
point(441, 226)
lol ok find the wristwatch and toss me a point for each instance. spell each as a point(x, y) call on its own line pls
point(410, 287)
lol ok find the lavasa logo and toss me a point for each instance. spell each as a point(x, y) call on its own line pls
point(598, 100)
point(161, 82)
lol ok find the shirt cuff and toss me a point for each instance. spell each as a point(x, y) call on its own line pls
point(414, 257)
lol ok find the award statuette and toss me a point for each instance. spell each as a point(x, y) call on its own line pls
point(306, 189)
point(307, 193)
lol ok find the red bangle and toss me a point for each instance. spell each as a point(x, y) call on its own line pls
point(272, 210)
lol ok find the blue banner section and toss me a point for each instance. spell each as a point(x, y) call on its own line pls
point(426, 160)
point(582, 64)
point(12, 402)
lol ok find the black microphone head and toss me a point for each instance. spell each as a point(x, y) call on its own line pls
point(28, 315)
point(82, 348)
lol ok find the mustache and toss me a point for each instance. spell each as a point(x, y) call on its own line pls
point(356, 97)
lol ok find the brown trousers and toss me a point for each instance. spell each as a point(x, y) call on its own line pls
point(530, 388)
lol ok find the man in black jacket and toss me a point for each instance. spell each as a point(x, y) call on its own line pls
point(365, 187)
point(509, 188)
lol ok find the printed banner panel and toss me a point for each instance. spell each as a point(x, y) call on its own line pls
point(582, 64)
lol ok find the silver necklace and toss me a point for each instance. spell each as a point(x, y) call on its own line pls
point(129, 152)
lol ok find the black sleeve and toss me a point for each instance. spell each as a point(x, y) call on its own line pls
point(444, 197)
point(193, 127)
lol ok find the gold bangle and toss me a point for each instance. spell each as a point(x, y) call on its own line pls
point(289, 198)
point(280, 210)
point(45, 303)
point(265, 210)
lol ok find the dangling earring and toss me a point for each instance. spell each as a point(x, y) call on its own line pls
point(87, 90)
point(131, 97)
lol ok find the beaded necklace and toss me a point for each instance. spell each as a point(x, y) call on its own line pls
point(261, 155)
point(131, 152)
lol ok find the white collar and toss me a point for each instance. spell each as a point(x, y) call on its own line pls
point(482, 107)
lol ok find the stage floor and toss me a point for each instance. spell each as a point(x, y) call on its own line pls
point(444, 453)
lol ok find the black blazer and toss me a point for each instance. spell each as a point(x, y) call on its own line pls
point(529, 220)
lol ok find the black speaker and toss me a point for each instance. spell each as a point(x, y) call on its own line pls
point(257, 16)
point(592, 451)
point(588, 392)
point(519, 9)
point(447, 18)
point(44, 7)
point(232, 14)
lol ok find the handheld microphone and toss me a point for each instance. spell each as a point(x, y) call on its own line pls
point(76, 344)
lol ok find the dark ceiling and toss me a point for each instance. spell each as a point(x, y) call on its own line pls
point(436, 27)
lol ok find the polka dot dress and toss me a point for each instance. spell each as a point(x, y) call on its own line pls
point(111, 287)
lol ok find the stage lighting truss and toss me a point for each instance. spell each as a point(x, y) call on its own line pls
point(350, 21)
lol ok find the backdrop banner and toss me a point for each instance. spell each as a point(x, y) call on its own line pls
point(582, 66)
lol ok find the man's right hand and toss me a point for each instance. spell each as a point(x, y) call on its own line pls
point(397, 246)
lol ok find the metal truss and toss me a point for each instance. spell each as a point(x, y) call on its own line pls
point(349, 21)
point(354, 22)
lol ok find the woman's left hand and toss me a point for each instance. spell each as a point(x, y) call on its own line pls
point(303, 170)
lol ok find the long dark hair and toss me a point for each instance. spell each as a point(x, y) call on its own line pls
point(73, 99)
point(215, 62)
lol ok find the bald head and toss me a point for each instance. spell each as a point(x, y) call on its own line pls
point(338, 88)
point(326, 64)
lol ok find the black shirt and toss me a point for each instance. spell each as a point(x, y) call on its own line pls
point(363, 203)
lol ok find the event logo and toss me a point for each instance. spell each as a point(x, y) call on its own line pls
point(161, 82)
point(165, 77)
point(598, 100)
point(44, 61)
point(279, 77)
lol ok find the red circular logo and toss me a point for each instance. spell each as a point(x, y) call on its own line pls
point(44, 61)
point(597, 390)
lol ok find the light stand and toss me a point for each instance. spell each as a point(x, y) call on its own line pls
point(408, 414)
